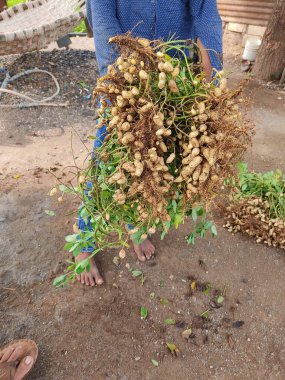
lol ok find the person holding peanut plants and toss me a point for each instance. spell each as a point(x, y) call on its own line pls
point(198, 20)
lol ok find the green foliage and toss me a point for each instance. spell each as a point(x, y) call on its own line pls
point(98, 202)
point(81, 28)
point(206, 314)
point(60, 281)
point(208, 288)
point(143, 312)
point(12, 3)
point(202, 226)
point(137, 273)
point(269, 186)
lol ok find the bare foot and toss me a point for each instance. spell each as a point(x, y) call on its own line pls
point(145, 250)
point(9, 357)
point(93, 277)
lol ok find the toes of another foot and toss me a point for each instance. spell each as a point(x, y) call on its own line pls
point(148, 254)
point(17, 353)
point(141, 256)
point(24, 367)
point(90, 279)
point(7, 354)
point(12, 354)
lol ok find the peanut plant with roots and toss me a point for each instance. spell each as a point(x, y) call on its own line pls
point(172, 140)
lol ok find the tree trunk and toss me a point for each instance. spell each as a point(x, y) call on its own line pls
point(271, 56)
point(2, 5)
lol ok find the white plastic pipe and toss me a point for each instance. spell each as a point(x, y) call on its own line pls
point(251, 47)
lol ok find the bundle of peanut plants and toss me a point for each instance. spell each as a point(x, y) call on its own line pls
point(172, 139)
point(257, 207)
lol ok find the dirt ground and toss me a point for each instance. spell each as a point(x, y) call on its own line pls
point(97, 333)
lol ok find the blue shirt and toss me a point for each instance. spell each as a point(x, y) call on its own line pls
point(155, 19)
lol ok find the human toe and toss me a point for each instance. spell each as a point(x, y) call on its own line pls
point(6, 354)
point(148, 254)
point(140, 255)
point(16, 354)
point(92, 280)
point(24, 367)
point(87, 279)
point(98, 277)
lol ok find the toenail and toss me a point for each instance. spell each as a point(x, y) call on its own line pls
point(28, 360)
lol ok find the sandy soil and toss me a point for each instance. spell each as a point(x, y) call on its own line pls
point(97, 333)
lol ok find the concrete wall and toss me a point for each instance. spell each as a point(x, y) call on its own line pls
point(243, 31)
point(235, 36)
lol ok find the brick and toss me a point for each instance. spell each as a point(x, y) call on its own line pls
point(256, 30)
point(235, 27)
